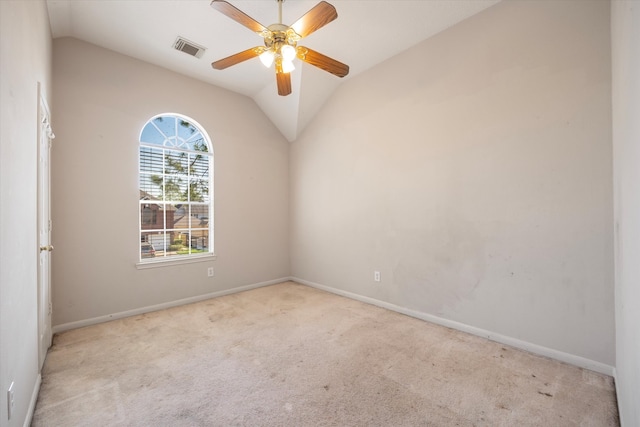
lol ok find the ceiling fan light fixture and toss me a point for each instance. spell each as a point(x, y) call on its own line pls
point(288, 52)
point(287, 66)
point(267, 58)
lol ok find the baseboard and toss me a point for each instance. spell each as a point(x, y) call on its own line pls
point(32, 402)
point(615, 383)
point(513, 342)
point(106, 318)
point(503, 339)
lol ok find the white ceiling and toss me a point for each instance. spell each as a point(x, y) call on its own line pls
point(365, 33)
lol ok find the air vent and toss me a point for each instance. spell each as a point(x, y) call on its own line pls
point(189, 47)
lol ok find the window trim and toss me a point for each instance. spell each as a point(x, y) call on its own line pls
point(190, 259)
point(144, 263)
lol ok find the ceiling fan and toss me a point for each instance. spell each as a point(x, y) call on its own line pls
point(281, 42)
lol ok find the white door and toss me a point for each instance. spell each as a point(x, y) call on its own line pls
point(45, 135)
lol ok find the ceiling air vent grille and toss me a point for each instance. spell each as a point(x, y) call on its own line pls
point(189, 47)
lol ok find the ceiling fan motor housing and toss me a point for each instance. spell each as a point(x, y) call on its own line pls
point(278, 35)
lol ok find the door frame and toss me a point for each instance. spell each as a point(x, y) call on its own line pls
point(45, 136)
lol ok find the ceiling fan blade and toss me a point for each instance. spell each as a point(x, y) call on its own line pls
point(283, 80)
point(284, 83)
point(322, 61)
point(237, 58)
point(237, 15)
point(319, 16)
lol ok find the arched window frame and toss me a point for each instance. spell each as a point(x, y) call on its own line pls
point(175, 176)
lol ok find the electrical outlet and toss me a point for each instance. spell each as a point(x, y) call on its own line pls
point(210, 271)
point(10, 400)
point(376, 276)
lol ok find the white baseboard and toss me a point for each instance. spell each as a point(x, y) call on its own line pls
point(32, 402)
point(503, 339)
point(106, 318)
point(618, 393)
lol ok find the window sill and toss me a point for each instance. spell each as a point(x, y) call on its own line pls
point(143, 265)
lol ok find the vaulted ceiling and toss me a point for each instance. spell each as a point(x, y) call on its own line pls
point(366, 32)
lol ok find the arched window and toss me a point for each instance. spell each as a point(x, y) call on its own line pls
point(176, 189)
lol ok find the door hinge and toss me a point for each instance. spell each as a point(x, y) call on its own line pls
point(49, 225)
point(50, 309)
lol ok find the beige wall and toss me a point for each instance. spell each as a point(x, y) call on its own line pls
point(625, 31)
point(102, 101)
point(25, 60)
point(474, 171)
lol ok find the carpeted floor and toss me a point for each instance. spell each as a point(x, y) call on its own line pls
point(290, 355)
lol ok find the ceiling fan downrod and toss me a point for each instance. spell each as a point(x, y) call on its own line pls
point(280, 11)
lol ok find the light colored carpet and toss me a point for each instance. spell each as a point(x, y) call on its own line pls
point(290, 355)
